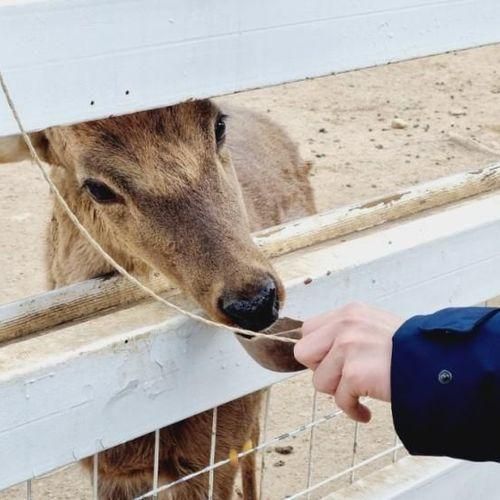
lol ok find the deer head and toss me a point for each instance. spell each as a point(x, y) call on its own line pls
point(159, 186)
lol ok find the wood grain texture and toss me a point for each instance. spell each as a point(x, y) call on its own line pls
point(47, 310)
point(340, 222)
point(68, 62)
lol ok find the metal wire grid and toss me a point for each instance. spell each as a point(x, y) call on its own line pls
point(266, 442)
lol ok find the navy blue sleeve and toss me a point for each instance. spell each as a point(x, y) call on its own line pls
point(445, 383)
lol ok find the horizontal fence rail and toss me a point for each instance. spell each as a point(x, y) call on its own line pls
point(75, 390)
point(417, 478)
point(47, 310)
point(68, 62)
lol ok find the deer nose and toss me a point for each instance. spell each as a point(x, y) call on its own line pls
point(254, 312)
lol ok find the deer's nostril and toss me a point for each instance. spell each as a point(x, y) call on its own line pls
point(255, 312)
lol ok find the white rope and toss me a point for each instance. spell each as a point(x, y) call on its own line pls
point(212, 466)
point(98, 248)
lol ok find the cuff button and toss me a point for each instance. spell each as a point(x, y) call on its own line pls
point(445, 377)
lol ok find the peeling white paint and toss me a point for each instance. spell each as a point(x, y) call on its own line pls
point(84, 395)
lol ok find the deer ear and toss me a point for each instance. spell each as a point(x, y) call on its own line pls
point(13, 148)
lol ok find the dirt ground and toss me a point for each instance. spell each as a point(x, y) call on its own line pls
point(450, 108)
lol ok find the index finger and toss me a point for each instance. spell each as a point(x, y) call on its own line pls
point(311, 350)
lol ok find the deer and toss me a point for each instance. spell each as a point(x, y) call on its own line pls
point(178, 191)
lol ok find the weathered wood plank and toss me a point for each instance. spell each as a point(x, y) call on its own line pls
point(73, 391)
point(46, 310)
point(73, 61)
point(321, 227)
point(76, 301)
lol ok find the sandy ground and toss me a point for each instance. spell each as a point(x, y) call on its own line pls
point(450, 105)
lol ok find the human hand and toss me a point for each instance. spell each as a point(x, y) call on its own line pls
point(349, 350)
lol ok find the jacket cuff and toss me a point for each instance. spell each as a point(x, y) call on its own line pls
point(439, 366)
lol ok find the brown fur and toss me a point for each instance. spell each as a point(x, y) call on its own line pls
point(189, 207)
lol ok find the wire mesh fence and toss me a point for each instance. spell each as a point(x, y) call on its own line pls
point(307, 449)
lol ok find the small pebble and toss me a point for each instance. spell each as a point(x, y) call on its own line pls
point(399, 123)
point(279, 463)
point(283, 450)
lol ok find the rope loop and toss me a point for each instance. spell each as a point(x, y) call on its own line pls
point(98, 248)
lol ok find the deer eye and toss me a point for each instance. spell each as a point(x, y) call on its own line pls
point(220, 129)
point(101, 193)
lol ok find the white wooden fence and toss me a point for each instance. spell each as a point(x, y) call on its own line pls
point(64, 394)
point(73, 61)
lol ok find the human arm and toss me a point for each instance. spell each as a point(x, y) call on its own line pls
point(354, 351)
